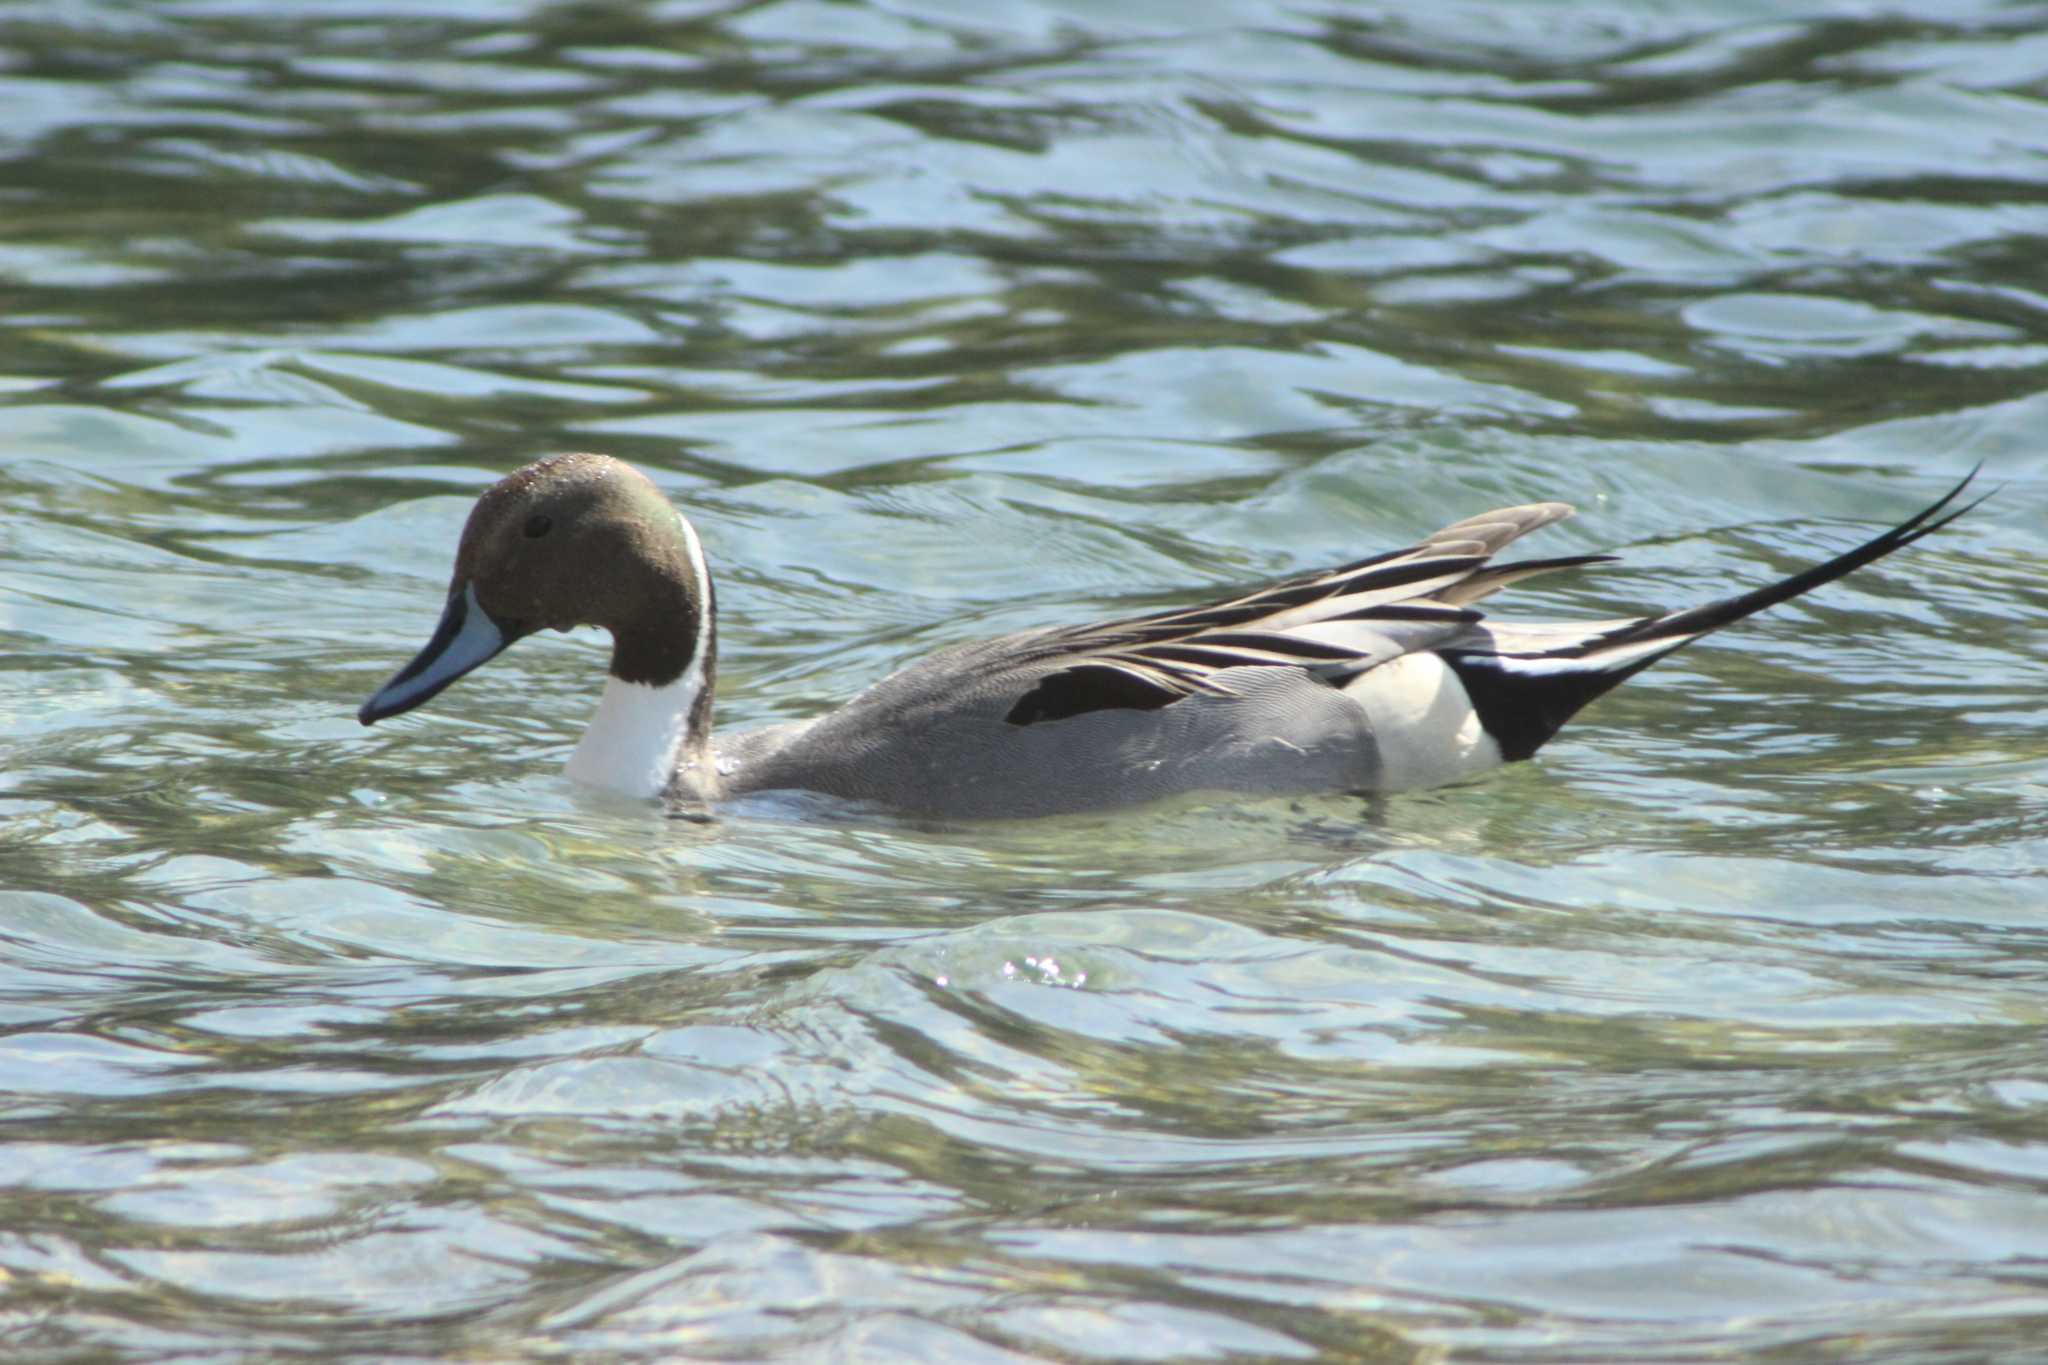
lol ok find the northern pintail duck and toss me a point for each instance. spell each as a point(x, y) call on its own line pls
point(1377, 675)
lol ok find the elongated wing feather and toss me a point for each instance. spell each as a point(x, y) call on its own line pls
point(1335, 623)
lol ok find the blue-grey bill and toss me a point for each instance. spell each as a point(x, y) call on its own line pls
point(466, 638)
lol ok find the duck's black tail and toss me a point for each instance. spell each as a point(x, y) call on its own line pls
point(1526, 681)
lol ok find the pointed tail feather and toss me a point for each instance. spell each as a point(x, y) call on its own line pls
point(1525, 682)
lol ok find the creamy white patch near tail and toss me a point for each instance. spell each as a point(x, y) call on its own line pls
point(1423, 723)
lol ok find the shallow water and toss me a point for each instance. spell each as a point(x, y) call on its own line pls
point(1715, 1033)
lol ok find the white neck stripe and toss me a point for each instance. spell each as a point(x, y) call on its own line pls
point(641, 730)
point(701, 590)
point(638, 732)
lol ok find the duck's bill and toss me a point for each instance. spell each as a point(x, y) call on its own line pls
point(465, 639)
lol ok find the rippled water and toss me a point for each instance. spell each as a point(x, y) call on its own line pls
point(1716, 1033)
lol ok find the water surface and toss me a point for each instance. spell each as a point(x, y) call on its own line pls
point(1714, 1034)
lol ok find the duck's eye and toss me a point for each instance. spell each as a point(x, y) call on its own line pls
point(539, 525)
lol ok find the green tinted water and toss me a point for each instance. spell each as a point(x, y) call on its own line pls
point(1715, 1034)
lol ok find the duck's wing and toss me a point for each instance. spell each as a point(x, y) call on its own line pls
point(1524, 680)
point(1334, 624)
